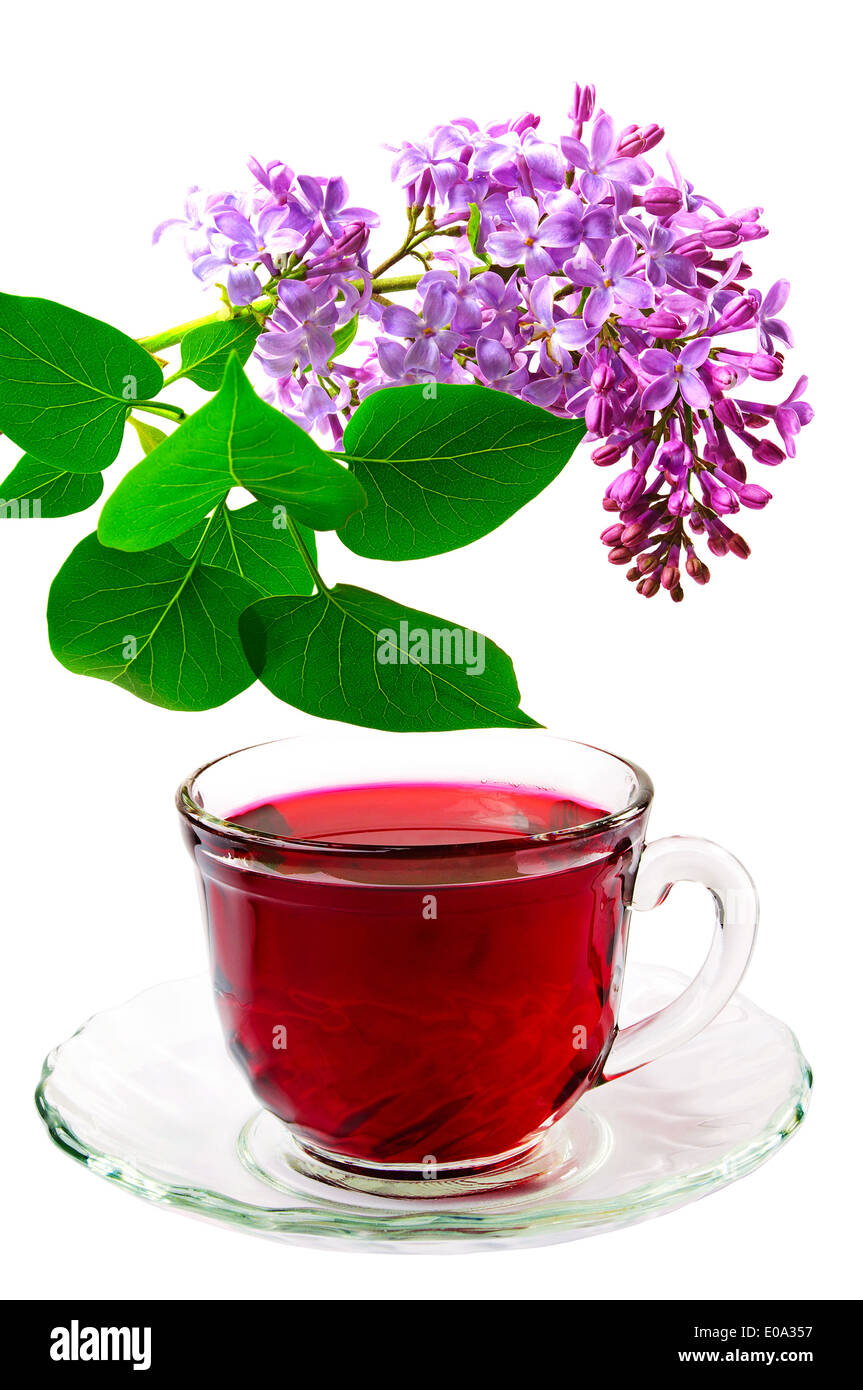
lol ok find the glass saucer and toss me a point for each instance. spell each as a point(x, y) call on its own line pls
point(146, 1096)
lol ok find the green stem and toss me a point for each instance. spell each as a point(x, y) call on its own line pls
point(410, 282)
point(171, 336)
point(304, 552)
point(412, 240)
point(171, 412)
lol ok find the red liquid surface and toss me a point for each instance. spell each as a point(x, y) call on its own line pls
point(392, 1014)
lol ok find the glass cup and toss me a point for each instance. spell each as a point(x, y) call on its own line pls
point(428, 1011)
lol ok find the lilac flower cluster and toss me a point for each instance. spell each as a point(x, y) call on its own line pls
point(566, 272)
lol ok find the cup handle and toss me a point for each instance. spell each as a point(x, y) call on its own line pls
point(683, 859)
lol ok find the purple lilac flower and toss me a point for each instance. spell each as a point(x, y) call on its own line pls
point(558, 329)
point(529, 241)
point(195, 236)
point(430, 336)
point(467, 316)
point(325, 201)
point(565, 271)
point(661, 263)
point(500, 367)
point(671, 372)
point(543, 161)
point(615, 283)
point(601, 167)
point(769, 326)
point(272, 236)
point(433, 164)
point(300, 333)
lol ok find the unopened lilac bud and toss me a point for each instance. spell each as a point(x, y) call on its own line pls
point(652, 134)
point(629, 142)
point(582, 104)
point(646, 563)
point(648, 586)
point(724, 232)
point(423, 188)
point(354, 238)
point(526, 122)
point(599, 415)
point(720, 376)
point(720, 498)
point(752, 231)
point(634, 536)
point(764, 367)
point(673, 457)
point(748, 214)
point(677, 594)
point(611, 535)
point(606, 454)
point(633, 574)
point(627, 487)
point(765, 451)
point(662, 324)
point(638, 139)
point(728, 413)
point(737, 313)
point(696, 569)
point(609, 505)
point(754, 496)
point(696, 523)
point(344, 249)
point(738, 546)
point(619, 556)
point(718, 545)
point(680, 502)
point(670, 577)
point(662, 200)
point(602, 377)
point(688, 246)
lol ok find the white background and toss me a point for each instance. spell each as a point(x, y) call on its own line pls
point(742, 701)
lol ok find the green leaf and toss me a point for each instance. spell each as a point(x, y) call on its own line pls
point(442, 468)
point(149, 436)
point(57, 493)
point(351, 655)
point(205, 351)
point(235, 440)
point(344, 336)
point(67, 382)
point(254, 543)
point(473, 226)
point(158, 625)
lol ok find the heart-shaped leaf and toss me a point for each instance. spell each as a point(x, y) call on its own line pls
point(235, 440)
point(443, 465)
point(205, 351)
point(352, 655)
point(161, 626)
point(254, 543)
point(67, 382)
point(36, 489)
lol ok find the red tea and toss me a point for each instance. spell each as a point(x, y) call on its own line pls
point(402, 1009)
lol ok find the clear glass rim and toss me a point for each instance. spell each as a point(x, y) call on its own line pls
point(636, 805)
